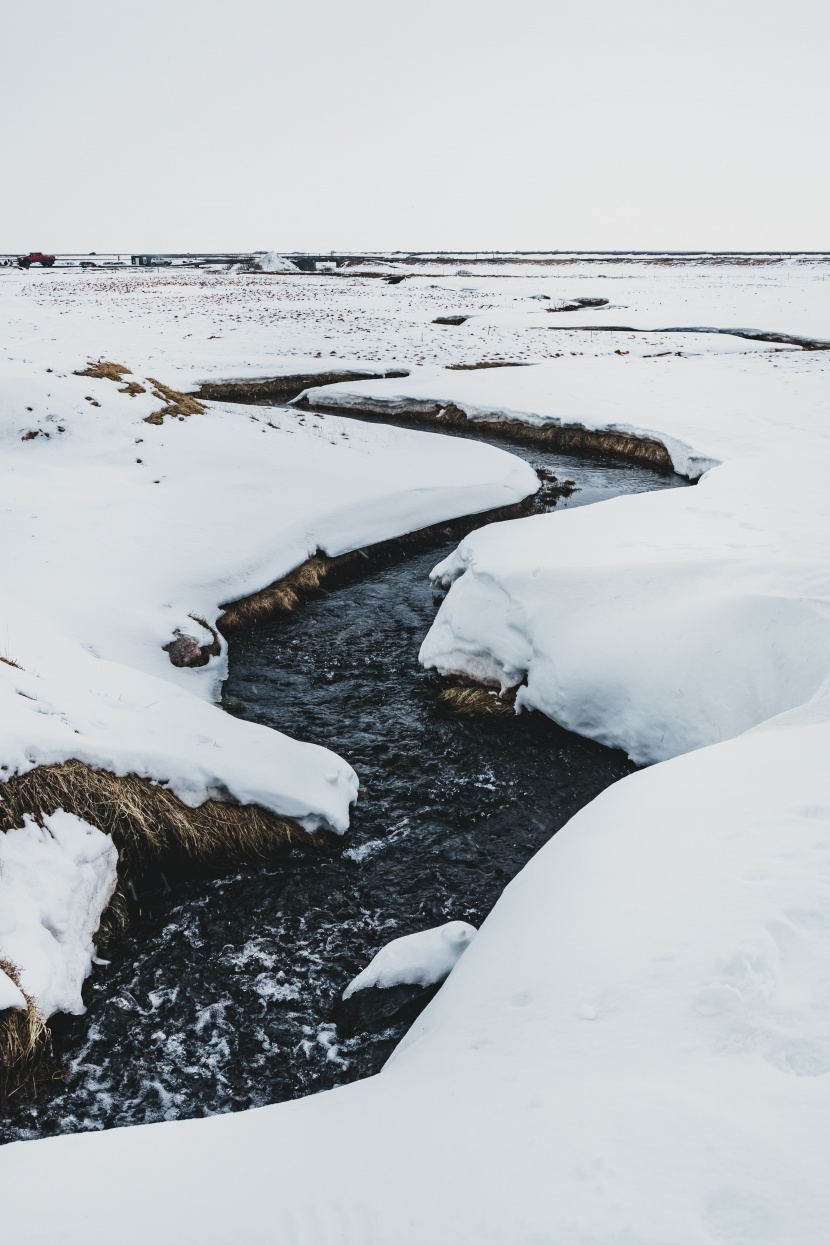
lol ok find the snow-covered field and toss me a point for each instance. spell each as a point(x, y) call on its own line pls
point(121, 535)
point(635, 1048)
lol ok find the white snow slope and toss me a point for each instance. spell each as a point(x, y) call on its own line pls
point(635, 1048)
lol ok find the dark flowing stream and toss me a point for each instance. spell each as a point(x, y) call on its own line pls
point(221, 998)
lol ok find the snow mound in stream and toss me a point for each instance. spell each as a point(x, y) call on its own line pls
point(655, 623)
point(420, 959)
point(55, 881)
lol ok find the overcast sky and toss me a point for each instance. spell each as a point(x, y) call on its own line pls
point(468, 124)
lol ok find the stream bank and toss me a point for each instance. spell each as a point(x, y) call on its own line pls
point(221, 998)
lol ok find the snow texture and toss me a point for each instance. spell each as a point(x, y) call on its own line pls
point(55, 881)
point(11, 996)
point(421, 959)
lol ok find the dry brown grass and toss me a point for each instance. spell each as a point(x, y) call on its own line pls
point(8, 662)
point(133, 388)
point(178, 405)
point(26, 1051)
point(478, 367)
point(475, 701)
point(102, 370)
point(286, 594)
point(115, 920)
point(284, 388)
point(147, 821)
point(562, 438)
point(148, 824)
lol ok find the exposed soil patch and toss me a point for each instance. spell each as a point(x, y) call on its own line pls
point(102, 370)
point(178, 405)
point(278, 389)
point(186, 651)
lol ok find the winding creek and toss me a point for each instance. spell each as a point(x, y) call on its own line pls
point(221, 998)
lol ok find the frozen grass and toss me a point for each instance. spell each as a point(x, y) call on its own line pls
point(148, 824)
point(475, 701)
point(179, 405)
point(26, 1052)
point(560, 438)
point(147, 821)
point(286, 594)
point(102, 370)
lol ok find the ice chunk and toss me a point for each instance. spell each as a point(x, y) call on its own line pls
point(416, 959)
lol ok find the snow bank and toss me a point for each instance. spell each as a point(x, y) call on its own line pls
point(656, 623)
point(420, 959)
point(195, 512)
point(635, 1047)
point(55, 881)
point(704, 407)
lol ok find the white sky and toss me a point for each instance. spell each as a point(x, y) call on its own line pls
point(468, 124)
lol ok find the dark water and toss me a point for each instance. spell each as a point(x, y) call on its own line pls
point(221, 999)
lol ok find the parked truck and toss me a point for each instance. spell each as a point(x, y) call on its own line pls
point(35, 257)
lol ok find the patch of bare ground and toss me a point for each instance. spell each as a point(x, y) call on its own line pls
point(285, 388)
point(185, 650)
point(560, 438)
point(178, 405)
point(102, 370)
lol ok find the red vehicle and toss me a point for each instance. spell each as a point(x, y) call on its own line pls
point(36, 257)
